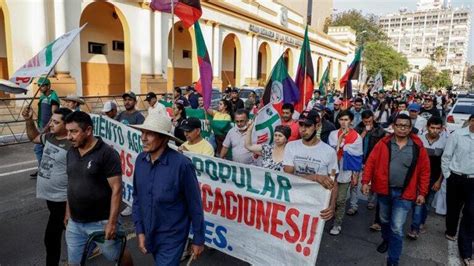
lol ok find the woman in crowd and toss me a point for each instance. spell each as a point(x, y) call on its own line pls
point(179, 114)
point(382, 113)
point(222, 114)
point(272, 155)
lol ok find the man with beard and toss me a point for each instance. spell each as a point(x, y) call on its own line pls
point(52, 177)
point(130, 116)
point(235, 100)
point(313, 159)
point(94, 191)
point(287, 111)
point(235, 139)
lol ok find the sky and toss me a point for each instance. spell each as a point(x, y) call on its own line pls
point(382, 7)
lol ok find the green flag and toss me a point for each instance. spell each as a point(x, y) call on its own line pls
point(324, 81)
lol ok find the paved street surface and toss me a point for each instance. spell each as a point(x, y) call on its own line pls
point(23, 219)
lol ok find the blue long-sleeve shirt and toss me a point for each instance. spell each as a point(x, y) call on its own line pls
point(166, 199)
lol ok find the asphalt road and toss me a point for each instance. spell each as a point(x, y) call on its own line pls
point(23, 220)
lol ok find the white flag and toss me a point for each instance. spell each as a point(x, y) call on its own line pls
point(265, 122)
point(378, 83)
point(41, 64)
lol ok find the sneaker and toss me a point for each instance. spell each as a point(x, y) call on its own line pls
point(34, 175)
point(383, 247)
point(422, 229)
point(351, 212)
point(413, 235)
point(375, 227)
point(127, 211)
point(336, 230)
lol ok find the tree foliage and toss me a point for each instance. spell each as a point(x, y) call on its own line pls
point(432, 79)
point(470, 74)
point(443, 79)
point(438, 55)
point(428, 76)
point(366, 26)
point(381, 56)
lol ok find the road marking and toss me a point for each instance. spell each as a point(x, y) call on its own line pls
point(18, 171)
point(453, 255)
point(17, 164)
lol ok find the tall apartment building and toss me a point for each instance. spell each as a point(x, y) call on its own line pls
point(417, 34)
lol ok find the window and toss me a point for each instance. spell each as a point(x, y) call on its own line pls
point(118, 45)
point(97, 48)
point(186, 54)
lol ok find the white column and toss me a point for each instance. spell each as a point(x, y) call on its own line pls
point(158, 41)
point(216, 50)
point(59, 29)
point(253, 74)
point(146, 40)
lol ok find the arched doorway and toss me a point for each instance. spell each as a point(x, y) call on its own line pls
point(319, 72)
point(288, 58)
point(183, 57)
point(231, 57)
point(263, 63)
point(3, 51)
point(103, 49)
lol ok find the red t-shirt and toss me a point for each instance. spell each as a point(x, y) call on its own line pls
point(295, 132)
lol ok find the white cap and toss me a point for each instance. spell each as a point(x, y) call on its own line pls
point(109, 106)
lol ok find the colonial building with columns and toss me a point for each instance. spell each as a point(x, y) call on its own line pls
point(125, 46)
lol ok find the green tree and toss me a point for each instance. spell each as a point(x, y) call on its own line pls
point(470, 74)
point(438, 55)
point(360, 23)
point(443, 79)
point(381, 56)
point(428, 76)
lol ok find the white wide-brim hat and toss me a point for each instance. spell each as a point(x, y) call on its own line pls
point(74, 98)
point(157, 122)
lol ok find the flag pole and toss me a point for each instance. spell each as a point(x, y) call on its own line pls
point(172, 45)
point(304, 75)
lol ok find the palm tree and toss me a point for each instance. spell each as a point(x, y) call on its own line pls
point(438, 55)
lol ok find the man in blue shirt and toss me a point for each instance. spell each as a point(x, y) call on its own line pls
point(166, 196)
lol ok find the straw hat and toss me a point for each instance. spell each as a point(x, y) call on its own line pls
point(159, 123)
point(74, 98)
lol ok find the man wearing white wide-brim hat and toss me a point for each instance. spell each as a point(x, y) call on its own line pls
point(73, 102)
point(166, 196)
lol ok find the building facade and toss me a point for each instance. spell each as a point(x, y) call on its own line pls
point(320, 10)
point(125, 46)
point(434, 24)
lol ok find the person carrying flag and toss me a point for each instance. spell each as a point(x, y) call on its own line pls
point(348, 145)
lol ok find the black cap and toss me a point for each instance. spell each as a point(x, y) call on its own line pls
point(309, 117)
point(235, 90)
point(150, 96)
point(190, 124)
point(130, 94)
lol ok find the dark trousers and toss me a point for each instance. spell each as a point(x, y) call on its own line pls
point(54, 232)
point(460, 192)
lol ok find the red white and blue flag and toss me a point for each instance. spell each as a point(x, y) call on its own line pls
point(350, 151)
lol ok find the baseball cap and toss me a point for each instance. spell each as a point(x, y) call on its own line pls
point(318, 107)
point(414, 107)
point(43, 81)
point(150, 96)
point(109, 106)
point(130, 94)
point(309, 117)
point(190, 124)
point(235, 90)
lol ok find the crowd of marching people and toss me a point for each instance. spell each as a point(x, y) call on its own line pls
point(392, 147)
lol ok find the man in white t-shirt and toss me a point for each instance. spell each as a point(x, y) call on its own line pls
point(312, 159)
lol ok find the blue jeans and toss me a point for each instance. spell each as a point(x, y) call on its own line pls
point(77, 235)
point(393, 214)
point(420, 212)
point(38, 150)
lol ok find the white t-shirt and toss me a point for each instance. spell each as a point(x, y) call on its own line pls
point(318, 159)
